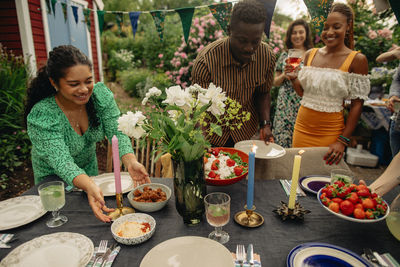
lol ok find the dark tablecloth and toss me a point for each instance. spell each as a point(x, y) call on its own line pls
point(273, 240)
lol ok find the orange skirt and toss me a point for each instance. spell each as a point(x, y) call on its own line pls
point(315, 129)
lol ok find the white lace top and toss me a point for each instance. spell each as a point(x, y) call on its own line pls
point(326, 88)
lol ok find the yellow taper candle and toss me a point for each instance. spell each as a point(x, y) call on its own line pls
point(295, 179)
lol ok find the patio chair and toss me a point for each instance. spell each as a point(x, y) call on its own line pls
point(312, 163)
point(143, 151)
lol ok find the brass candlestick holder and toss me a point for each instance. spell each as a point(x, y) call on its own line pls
point(249, 218)
point(120, 210)
point(297, 213)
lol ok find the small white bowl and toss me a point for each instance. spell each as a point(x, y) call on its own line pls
point(149, 206)
point(133, 217)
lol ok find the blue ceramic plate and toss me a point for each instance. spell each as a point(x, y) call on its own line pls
point(322, 254)
point(313, 183)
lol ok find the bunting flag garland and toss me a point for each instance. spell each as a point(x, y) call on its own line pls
point(159, 18)
point(119, 17)
point(269, 6)
point(395, 4)
point(318, 10)
point(53, 5)
point(222, 13)
point(64, 9)
point(86, 14)
point(134, 17)
point(48, 6)
point(186, 15)
point(100, 18)
point(75, 12)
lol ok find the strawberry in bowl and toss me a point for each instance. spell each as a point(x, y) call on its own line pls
point(225, 166)
point(353, 202)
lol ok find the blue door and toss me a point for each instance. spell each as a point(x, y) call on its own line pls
point(63, 32)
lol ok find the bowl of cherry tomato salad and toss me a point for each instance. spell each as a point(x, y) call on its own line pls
point(225, 165)
point(353, 202)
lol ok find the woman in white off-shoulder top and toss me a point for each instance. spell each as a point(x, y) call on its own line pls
point(331, 75)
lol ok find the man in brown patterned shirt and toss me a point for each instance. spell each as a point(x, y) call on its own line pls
point(243, 67)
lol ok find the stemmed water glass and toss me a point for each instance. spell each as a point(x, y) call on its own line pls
point(218, 214)
point(53, 199)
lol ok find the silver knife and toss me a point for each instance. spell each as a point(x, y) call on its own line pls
point(105, 256)
point(250, 256)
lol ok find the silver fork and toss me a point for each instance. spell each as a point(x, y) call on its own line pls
point(240, 254)
point(100, 251)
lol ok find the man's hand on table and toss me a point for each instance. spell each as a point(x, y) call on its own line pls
point(266, 134)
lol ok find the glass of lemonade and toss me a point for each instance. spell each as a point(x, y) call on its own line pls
point(53, 199)
point(218, 214)
point(343, 175)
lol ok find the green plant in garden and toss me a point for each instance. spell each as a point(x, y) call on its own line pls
point(373, 35)
point(14, 141)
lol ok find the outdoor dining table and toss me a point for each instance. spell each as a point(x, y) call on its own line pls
point(273, 240)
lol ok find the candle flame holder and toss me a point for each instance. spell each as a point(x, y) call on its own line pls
point(297, 213)
point(249, 218)
point(120, 210)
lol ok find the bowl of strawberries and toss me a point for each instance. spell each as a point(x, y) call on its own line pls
point(225, 165)
point(353, 202)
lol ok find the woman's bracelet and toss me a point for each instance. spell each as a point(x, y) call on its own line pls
point(344, 140)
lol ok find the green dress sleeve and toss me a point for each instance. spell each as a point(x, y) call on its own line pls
point(50, 153)
point(109, 113)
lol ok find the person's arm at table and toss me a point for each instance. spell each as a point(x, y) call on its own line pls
point(109, 114)
point(394, 91)
point(389, 178)
point(263, 100)
point(95, 196)
point(392, 54)
point(357, 95)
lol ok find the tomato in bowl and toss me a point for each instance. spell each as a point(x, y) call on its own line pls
point(225, 166)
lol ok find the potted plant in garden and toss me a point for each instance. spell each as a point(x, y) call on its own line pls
point(181, 120)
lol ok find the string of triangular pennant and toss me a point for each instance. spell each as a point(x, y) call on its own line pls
point(318, 10)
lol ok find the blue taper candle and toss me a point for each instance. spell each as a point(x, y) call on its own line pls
point(250, 180)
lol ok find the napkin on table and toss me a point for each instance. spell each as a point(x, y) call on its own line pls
point(286, 187)
point(109, 260)
point(257, 261)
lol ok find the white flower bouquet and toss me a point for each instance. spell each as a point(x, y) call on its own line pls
point(181, 120)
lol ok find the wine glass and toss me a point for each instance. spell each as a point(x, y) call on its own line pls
point(53, 199)
point(217, 214)
point(294, 59)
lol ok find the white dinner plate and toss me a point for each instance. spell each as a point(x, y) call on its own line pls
point(264, 151)
point(313, 183)
point(19, 211)
point(106, 182)
point(322, 254)
point(61, 249)
point(348, 218)
point(193, 251)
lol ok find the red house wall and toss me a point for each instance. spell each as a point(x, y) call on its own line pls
point(9, 30)
point(93, 42)
point(39, 42)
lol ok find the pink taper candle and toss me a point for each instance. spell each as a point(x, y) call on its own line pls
point(116, 165)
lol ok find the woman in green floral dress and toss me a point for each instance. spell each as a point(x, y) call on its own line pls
point(298, 36)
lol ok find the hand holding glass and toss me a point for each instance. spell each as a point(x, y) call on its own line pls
point(217, 214)
point(294, 59)
point(53, 199)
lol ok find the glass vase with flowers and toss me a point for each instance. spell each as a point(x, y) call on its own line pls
point(181, 121)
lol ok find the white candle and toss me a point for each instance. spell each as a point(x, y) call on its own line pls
point(295, 179)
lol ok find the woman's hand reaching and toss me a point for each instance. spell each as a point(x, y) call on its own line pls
point(96, 202)
point(136, 170)
point(335, 153)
